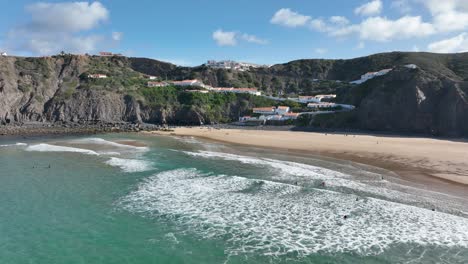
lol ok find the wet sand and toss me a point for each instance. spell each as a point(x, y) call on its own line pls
point(412, 158)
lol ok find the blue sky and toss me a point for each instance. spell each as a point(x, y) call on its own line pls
point(260, 31)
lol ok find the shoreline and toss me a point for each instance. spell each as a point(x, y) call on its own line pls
point(416, 159)
point(36, 129)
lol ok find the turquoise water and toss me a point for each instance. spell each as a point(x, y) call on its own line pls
point(126, 198)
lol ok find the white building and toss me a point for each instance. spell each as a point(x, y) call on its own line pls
point(290, 116)
point(97, 76)
point(370, 75)
point(281, 110)
point(188, 83)
point(157, 84)
point(3, 54)
point(152, 77)
point(233, 65)
point(315, 99)
point(264, 110)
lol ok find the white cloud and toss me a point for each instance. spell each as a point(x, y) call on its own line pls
point(320, 50)
point(369, 9)
point(319, 25)
point(339, 20)
point(383, 29)
point(254, 39)
point(403, 6)
point(225, 38)
point(48, 45)
point(449, 15)
point(287, 17)
point(231, 38)
point(66, 17)
point(458, 43)
point(117, 36)
point(54, 27)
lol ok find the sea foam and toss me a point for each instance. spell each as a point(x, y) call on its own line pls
point(13, 145)
point(130, 165)
point(100, 141)
point(368, 184)
point(270, 218)
point(43, 147)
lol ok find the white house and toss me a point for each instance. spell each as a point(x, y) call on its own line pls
point(281, 110)
point(157, 84)
point(188, 83)
point(370, 75)
point(290, 116)
point(247, 118)
point(152, 77)
point(308, 99)
point(264, 110)
point(315, 99)
point(97, 76)
point(4, 54)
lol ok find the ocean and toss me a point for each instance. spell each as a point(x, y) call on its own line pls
point(130, 198)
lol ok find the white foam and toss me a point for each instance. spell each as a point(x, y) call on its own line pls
point(272, 218)
point(293, 171)
point(100, 141)
point(13, 145)
point(287, 167)
point(130, 165)
point(54, 148)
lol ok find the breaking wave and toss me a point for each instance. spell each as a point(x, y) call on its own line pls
point(43, 147)
point(130, 165)
point(13, 145)
point(100, 141)
point(273, 218)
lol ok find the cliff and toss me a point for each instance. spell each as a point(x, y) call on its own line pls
point(430, 99)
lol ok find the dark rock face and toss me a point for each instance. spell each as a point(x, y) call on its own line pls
point(412, 101)
point(431, 99)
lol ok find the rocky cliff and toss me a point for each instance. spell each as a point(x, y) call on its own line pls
point(430, 99)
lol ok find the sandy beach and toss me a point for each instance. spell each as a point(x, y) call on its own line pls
point(409, 157)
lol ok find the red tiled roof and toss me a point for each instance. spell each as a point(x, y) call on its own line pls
point(264, 109)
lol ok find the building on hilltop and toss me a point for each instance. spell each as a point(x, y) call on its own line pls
point(316, 98)
point(290, 116)
point(108, 54)
point(281, 110)
point(264, 110)
point(3, 54)
point(97, 76)
point(194, 82)
point(370, 75)
point(232, 65)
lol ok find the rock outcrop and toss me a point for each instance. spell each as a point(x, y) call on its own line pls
point(430, 99)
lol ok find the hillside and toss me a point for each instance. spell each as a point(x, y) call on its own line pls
point(431, 99)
